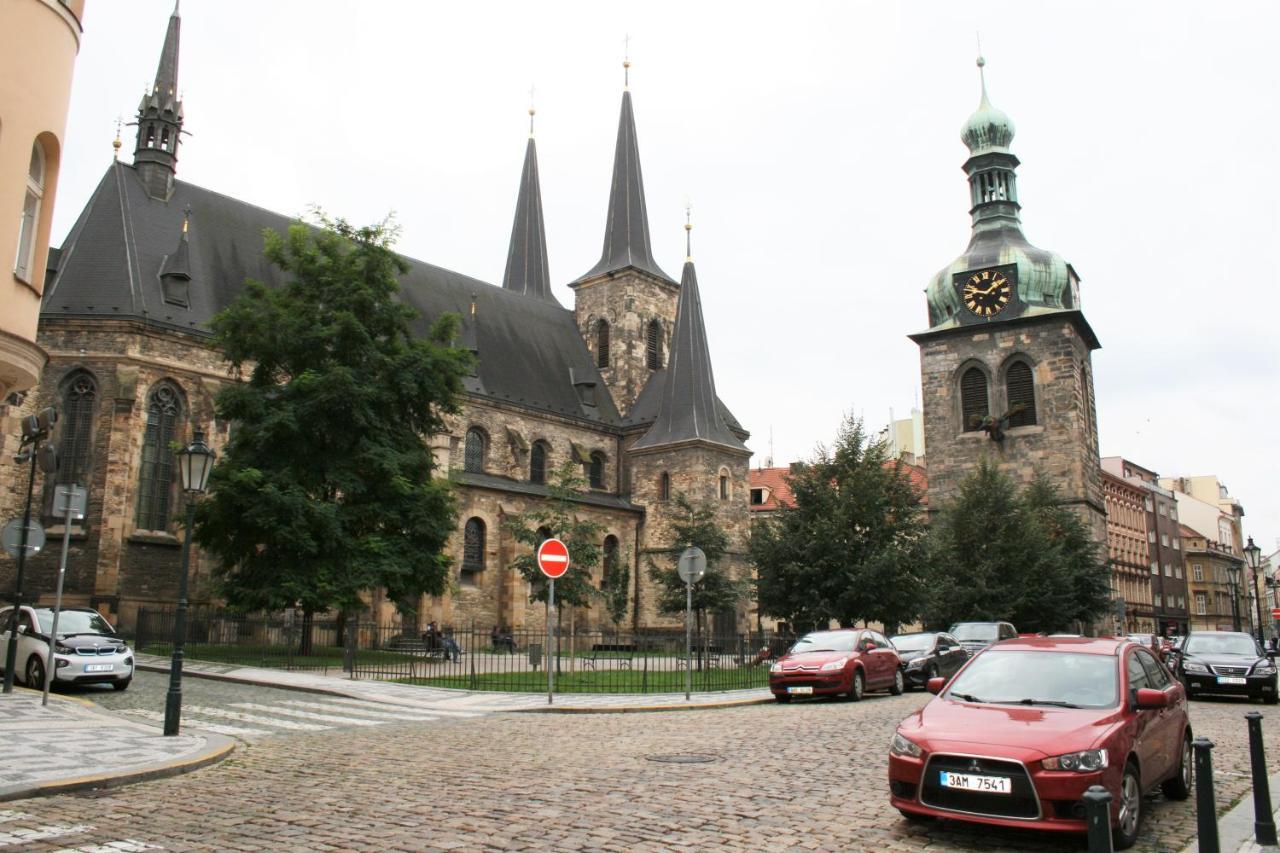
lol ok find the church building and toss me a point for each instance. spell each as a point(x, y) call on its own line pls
point(620, 383)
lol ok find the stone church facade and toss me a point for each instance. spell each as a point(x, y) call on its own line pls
point(621, 384)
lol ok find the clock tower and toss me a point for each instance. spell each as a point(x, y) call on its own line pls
point(1006, 365)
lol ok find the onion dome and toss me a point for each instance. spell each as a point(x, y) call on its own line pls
point(988, 129)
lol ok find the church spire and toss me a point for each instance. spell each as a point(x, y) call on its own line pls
point(689, 409)
point(160, 120)
point(527, 271)
point(626, 231)
point(992, 168)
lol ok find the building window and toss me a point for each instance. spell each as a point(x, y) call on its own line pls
point(724, 487)
point(595, 470)
point(609, 561)
point(473, 455)
point(1168, 570)
point(1155, 568)
point(473, 546)
point(1147, 504)
point(1197, 572)
point(1202, 604)
point(757, 497)
point(79, 397)
point(1164, 540)
point(602, 343)
point(1163, 510)
point(1182, 603)
point(653, 348)
point(664, 486)
point(1020, 392)
point(1177, 544)
point(1177, 572)
point(155, 480)
point(1159, 600)
point(538, 462)
point(24, 264)
point(973, 399)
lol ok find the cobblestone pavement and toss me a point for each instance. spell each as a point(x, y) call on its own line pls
point(802, 776)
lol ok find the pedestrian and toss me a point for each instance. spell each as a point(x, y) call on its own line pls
point(431, 637)
point(451, 649)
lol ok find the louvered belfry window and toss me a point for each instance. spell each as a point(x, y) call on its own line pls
point(473, 546)
point(538, 463)
point(473, 456)
point(602, 343)
point(973, 398)
point(1021, 391)
point(78, 402)
point(653, 354)
point(155, 480)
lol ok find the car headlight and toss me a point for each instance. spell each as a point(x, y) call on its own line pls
point(63, 649)
point(834, 664)
point(901, 746)
point(917, 663)
point(1192, 666)
point(777, 667)
point(1265, 668)
point(1086, 761)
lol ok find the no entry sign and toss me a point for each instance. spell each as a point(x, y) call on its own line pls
point(553, 558)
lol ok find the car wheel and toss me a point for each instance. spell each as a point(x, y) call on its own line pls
point(899, 683)
point(915, 818)
point(35, 673)
point(929, 674)
point(781, 698)
point(1178, 786)
point(1129, 815)
point(857, 686)
point(122, 684)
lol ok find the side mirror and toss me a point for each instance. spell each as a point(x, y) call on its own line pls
point(1147, 699)
point(22, 629)
point(936, 684)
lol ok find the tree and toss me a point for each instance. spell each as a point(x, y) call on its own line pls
point(697, 527)
point(1019, 556)
point(324, 489)
point(616, 586)
point(851, 547)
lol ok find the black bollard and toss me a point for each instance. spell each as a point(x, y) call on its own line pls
point(1264, 824)
point(1097, 817)
point(1206, 811)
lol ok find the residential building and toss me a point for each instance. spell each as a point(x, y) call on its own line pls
point(1217, 517)
point(1128, 555)
point(1209, 565)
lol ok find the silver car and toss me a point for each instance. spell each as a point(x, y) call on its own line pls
point(87, 651)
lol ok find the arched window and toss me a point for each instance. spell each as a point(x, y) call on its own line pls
point(538, 462)
point(609, 561)
point(155, 479)
point(79, 398)
point(595, 470)
point(653, 349)
point(664, 486)
point(24, 265)
point(724, 486)
point(1020, 392)
point(473, 452)
point(473, 546)
point(602, 343)
point(973, 399)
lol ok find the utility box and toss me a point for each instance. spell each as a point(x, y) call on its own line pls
point(535, 655)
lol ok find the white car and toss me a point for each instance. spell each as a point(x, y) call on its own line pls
point(88, 650)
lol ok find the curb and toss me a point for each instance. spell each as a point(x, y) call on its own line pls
point(252, 682)
point(1235, 826)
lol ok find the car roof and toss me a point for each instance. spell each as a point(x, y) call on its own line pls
point(1081, 645)
point(919, 633)
point(1222, 634)
point(836, 631)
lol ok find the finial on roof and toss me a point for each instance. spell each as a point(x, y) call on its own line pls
point(116, 143)
point(688, 232)
point(626, 62)
point(186, 219)
point(532, 112)
point(473, 303)
point(988, 129)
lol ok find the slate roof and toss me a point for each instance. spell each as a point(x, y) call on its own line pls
point(527, 271)
point(530, 349)
point(521, 487)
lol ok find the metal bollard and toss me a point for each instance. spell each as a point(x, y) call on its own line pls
point(1097, 817)
point(1206, 811)
point(1264, 824)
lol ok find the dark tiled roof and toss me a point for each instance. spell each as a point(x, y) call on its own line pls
point(529, 349)
point(523, 487)
point(527, 271)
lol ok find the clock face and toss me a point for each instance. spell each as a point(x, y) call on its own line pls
point(986, 292)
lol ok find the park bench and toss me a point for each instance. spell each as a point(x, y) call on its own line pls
point(710, 656)
point(610, 652)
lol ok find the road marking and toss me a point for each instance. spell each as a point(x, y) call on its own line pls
point(422, 716)
point(254, 718)
point(307, 715)
point(26, 836)
point(439, 712)
point(197, 723)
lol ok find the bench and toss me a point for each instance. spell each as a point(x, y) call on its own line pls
point(710, 656)
point(611, 651)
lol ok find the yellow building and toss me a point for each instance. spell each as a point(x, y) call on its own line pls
point(39, 40)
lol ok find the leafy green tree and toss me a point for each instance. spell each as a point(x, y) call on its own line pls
point(850, 547)
point(696, 526)
point(324, 489)
point(1022, 556)
point(616, 587)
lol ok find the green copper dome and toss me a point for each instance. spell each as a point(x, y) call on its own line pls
point(988, 129)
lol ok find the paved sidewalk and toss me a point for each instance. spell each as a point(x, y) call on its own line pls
point(72, 744)
point(338, 684)
point(1235, 828)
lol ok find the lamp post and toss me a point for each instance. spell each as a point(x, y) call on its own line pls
point(1233, 578)
point(195, 461)
point(1252, 555)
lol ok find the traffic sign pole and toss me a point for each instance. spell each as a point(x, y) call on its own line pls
point(551, 635)
point(11, 653)
point(71, 500)
point(553, 561)
point(691, 566)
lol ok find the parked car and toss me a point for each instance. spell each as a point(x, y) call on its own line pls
point(1018, 736)
point(1227, 662)
point(87, 651)
point(831, 663)
point(928, 655)
point(976, 636)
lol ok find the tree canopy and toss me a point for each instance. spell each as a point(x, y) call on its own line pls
point(556, 519)
point(695, 526)
point(325, 488)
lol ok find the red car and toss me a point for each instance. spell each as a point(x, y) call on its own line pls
point(831, 663)
point(1027, 726)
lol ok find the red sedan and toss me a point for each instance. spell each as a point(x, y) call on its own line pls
point(1029, 725)
point(831, 663)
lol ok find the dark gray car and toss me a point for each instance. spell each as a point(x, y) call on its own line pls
point(1226, 662)
point(927, 655)
point(976, 636)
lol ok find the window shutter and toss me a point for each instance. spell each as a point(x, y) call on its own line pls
point(602, 343)
point(1021, 391)
point(654, 353)
point(973, 398)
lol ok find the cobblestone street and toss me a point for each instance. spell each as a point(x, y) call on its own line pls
point(808, 775)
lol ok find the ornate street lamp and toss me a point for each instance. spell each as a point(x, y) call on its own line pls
point(1253, 556)
point(1233, 578)
point(195, 461)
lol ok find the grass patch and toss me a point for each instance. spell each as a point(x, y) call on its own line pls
point(608, 681)
point(275, 656)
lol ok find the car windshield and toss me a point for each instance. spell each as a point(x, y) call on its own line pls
point(1022, 677)
point(826, 641)
point(913, 642)
point(74, 622)
point(1221, 644)
point(986, 633)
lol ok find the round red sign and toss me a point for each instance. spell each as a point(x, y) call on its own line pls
point(553, 558)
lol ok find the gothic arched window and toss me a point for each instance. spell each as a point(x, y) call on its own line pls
point(602, 343)
point(653, 346)
point(1020, 391)
point(155, 479)
point(473, 452)
point(609, 561)
point(473, 546)
point(724, 486)
point(664, 486)
point(79, 398)
point(538, 462)
point(973, 399)
point(595, 470)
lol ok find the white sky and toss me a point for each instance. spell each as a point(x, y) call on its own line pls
point(819, 145)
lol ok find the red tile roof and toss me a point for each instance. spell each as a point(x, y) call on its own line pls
point(778, 491)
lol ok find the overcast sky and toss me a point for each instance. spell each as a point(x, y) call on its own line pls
point(819, 146)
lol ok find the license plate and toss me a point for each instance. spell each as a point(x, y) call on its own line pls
point(1226, 679)
point(800, 691)
point(99, 667)
point(970, 782)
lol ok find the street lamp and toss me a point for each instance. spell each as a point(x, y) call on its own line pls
point(195, 461)
point(1233, 578)
point(1252, 555)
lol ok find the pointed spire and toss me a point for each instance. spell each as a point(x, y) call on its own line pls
point(689, 409)
point(527, 270)
point(166, 85)
point(688, 233)
point(160, 120)
point(626, 232)
point(175, 270)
